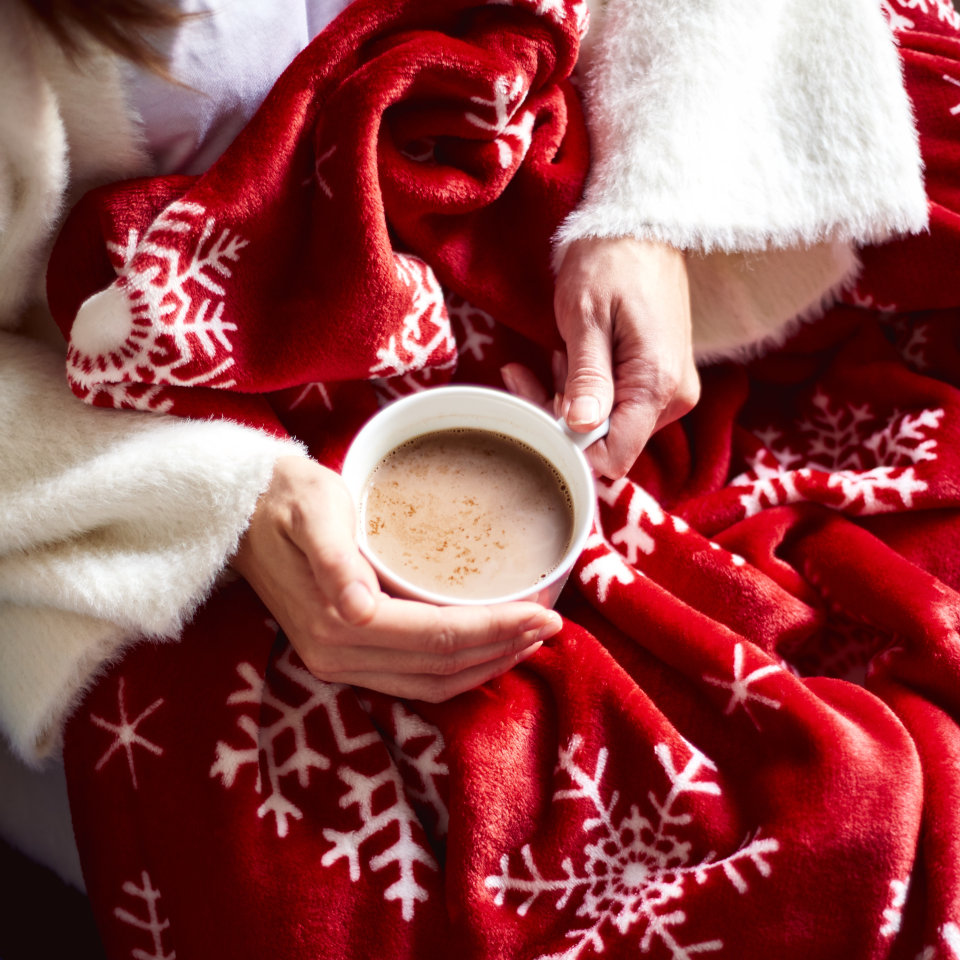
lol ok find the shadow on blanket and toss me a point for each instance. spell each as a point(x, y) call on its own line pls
point(745, 736)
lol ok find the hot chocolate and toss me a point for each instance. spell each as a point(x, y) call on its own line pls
point(469, 514)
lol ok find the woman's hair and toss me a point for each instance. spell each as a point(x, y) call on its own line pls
point(120, 25)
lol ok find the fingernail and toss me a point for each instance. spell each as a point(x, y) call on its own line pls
point(584, 411)
point(356, 603)
point(544, 625)
point(509, 381)
point(529, 652)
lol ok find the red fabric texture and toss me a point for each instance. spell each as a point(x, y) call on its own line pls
point(745, 741)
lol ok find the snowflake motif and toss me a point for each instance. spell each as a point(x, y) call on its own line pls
point(631, 537)
point(302, 759)
point(896, 20)
point(740, 693)
point(911, 341)
point(893, 913)
point(605, 568)
point(634, 870)
point(507, 97)
point(308, 390)
point(474, 324)
point(292, 720)
point(152, 924)
point(130, 396)
point(944, 10)
point(409, 729)
point(955, 109)
point(426, 344)
point(581, 12)
point(162, 318)
point(950, 933)
point(872, 469)
point(318, 177)
point(554, 9)
point(867, 301)
point(422, 150)
point(126, 735)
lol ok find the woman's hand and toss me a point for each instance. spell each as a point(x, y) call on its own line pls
point(300, 555)
point(623, 310)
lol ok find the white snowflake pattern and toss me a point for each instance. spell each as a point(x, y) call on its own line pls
point(739, 686)
point(511, 135)
point(274, 739)
point(475, 325)
point(130, 396)
point(632, 539)
point(950, 933)
point(318, 177)
point(151, 923)
point(868, 301)
point(912, 339)
point(605, 568)
point(162, 319)
point(944, 10)
point(893, 912)
point(871, 466)
point(408, 729)
point(556, 10)
point(425, 344)
point(126, 733)
point(635, 870)
point(896, 20)
point(308, 391)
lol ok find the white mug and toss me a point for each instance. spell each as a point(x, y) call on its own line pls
point(476, 408)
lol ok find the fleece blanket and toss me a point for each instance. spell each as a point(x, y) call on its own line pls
point(744, 742)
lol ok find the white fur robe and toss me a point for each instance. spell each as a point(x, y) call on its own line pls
point(766, 139)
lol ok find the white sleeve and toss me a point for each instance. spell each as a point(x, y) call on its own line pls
point(113, 525)
point(727, 128)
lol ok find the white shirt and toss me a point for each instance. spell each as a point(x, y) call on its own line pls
point(224, 58)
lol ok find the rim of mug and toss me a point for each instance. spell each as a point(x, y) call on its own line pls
point(577, 541)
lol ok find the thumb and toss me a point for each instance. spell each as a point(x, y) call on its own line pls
point(588, 389)
point(326, 537)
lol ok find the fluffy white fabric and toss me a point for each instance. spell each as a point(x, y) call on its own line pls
point(112, 525)
point(738, 128)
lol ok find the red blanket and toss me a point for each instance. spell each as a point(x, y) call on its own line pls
point(744, 742)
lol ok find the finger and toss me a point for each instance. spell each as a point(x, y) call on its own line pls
point(588, 386)
point(324, 531)
point(684, 400)
point(631, 425)
point(411, 625)
point(523, 382)
point(435, 689)
point(333, 662)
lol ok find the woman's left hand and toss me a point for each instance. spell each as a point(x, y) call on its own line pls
point(623, 309)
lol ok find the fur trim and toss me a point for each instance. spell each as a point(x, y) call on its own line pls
point(745, 304)
point(113, 526)
point(723, 130)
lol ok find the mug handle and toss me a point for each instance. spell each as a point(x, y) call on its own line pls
point(583, 440)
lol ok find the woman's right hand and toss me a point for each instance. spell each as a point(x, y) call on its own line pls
point(301, 557)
